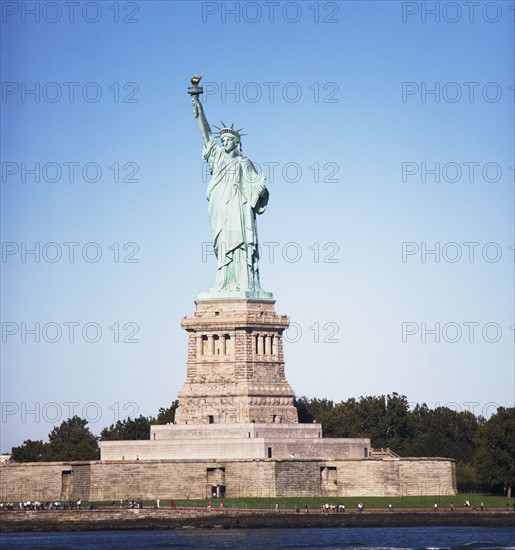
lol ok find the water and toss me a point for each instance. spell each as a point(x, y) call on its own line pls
point(416, 538)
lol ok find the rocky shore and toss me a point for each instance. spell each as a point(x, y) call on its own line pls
point(121, 519)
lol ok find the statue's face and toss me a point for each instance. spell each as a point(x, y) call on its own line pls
point(229, 143)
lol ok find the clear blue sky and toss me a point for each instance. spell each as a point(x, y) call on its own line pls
point(352, 104)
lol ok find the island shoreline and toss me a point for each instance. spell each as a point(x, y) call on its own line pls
point(155, 519)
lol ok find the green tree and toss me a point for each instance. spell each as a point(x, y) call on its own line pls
point(389, 422)
point(466, 474)
point(128, 429)
point(302, 404)
point(30, 451)
point(442, 432)
point(167, 415)
point(385, 420)
point(495, 457)
point(138, 428)
point(72, 440)
point(321, 411)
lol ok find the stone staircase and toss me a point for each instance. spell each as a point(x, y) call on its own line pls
point(383, 453)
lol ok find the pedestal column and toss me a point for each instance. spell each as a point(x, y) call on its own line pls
point(235, 365)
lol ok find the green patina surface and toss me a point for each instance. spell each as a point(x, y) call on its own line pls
point(236, 193)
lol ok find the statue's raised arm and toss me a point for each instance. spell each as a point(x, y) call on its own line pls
point(198, 111)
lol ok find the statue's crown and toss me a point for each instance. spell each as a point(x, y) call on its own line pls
point(224, 130)
point(231, 131)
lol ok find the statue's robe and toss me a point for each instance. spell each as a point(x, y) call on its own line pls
point(234, 201)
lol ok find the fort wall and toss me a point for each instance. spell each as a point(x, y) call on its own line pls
point(184, 479)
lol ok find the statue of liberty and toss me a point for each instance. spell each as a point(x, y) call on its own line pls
point(236, 193)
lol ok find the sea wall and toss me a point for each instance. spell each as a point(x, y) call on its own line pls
point(119, 519)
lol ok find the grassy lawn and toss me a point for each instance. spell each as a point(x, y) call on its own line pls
point(444, 502)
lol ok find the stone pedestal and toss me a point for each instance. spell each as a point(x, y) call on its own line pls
point(236, 431)
point(235, 365)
